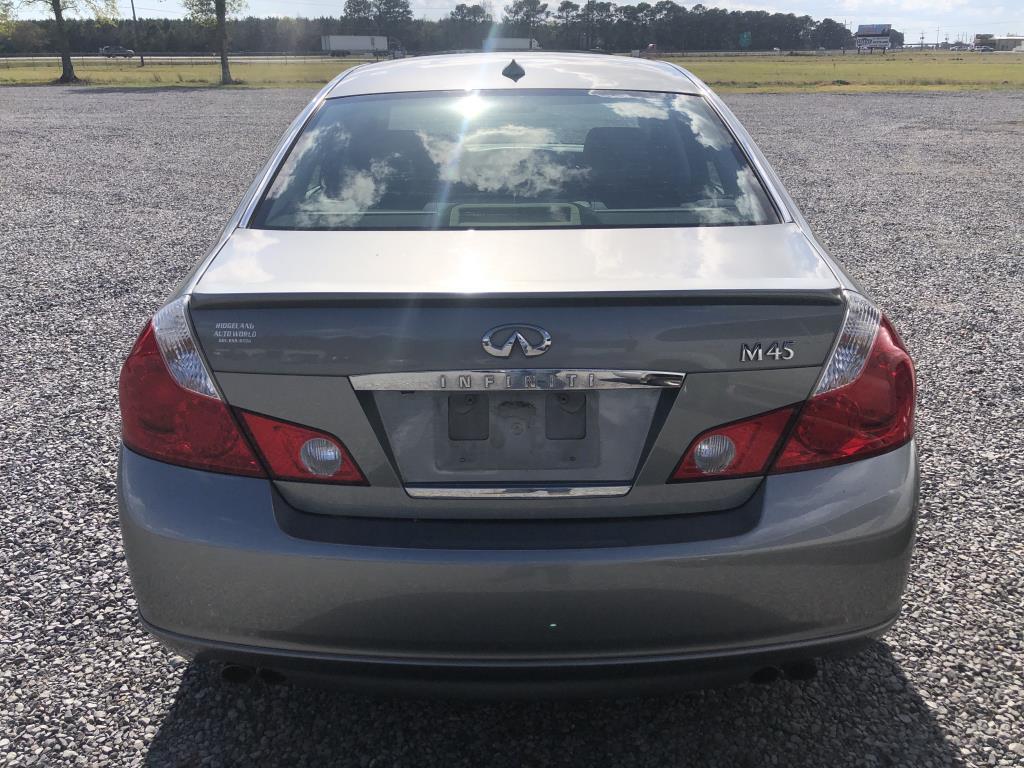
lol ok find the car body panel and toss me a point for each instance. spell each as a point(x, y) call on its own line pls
point(828, 555)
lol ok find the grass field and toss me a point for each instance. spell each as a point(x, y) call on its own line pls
point(903, 71)
point(127, 72)
point(906, 70)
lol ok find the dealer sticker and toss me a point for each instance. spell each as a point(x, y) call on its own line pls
point(234, 333)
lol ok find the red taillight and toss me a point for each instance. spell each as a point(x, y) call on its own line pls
point(739, 449)
point(871, 415)
point(164, 421)
point(862, 406)
point(294, 452)
point(171, 410)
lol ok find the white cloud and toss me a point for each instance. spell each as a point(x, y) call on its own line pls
point(500, 160)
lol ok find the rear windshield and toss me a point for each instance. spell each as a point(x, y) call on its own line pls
point(514, 159)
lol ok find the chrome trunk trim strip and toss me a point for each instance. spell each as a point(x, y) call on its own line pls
point(516, 492)
point(517, 379)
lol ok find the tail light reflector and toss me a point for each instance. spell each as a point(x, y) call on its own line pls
point(294, 452)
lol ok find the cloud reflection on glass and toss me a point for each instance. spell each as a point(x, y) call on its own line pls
point(614, 158)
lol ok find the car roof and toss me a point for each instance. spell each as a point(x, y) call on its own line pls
point(473, 71)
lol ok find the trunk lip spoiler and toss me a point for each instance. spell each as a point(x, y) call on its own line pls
point(278, 300)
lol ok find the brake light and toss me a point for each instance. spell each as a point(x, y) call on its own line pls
point(293, 452)
point(170, 408)
point(871, 414)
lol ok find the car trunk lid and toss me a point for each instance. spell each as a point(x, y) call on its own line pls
point(653, 339)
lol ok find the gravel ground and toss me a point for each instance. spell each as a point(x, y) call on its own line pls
point(108, 197)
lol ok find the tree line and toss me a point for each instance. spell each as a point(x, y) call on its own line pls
point(568, 25)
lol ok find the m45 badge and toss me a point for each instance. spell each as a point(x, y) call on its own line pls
point(776, 350)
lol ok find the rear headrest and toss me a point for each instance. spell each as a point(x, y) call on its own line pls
point(608, 150)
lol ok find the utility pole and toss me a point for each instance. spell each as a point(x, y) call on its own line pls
point(135, 27)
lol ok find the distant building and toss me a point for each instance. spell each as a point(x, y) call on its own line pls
point(873, 37)
point(1004, 43)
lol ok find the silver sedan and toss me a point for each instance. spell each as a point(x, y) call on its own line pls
point(518, 375)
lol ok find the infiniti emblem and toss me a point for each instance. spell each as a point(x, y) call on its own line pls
point(500, 340)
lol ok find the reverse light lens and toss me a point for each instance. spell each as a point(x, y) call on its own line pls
point(320, 456)
point(751, 443)
point(294, 452)
point(714, 454)
point(855, 339)
point(179, 349)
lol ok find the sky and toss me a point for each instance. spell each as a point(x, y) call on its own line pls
point(957, 19)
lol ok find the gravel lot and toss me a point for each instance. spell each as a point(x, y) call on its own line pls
point(108, 197)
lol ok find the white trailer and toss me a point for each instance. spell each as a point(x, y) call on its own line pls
point(511, 44)
point(343, 45)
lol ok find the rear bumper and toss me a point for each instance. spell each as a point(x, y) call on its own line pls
point(820, 569)
point(505, 678)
